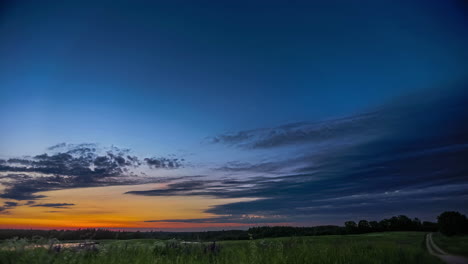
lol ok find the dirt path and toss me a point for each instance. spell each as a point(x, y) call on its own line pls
point(438, 252)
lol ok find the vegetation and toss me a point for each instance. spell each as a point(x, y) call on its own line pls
point(395, 247)
point(361, 242)
point(100, 234)
point(452, 223)
point(457, 245)
point(396, 223)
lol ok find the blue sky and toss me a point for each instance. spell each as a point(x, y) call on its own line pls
point(147, 71)
point(202, 82)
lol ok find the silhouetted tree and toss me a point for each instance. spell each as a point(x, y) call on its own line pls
point(375, 226)
point(364, 226)
point(452, 223)
point(429, 226)
point(416, 224)
point(385, 225)
point(351, 227)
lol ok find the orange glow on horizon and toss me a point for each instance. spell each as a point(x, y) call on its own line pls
point(109, 207)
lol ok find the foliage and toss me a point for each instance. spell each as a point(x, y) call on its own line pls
point(457, 245)
point(396, 223)
point(452, 223)
point(100, 234)
point(396, 247)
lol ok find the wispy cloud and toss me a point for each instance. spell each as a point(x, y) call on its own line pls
point(6, 206)
point(410, 155)
point(406, 155)
point(298, 133)
point(54, 205)
point(242, 219)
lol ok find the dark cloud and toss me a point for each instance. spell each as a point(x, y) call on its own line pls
point(85, 160)
point(14, 176)
point(6, 206)
point(163, 163)
point(244, 219)
point(17, 191)
point(19, 161)
point(87, 165)
point(412, 160)
point(72, 166)
point(54, 205)
point(58, 146)
point(178, 188)
point(267, 167)
point(233, 138)
point(299, 133)
point(11, 204)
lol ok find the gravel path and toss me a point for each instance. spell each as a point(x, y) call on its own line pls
point(438, 252)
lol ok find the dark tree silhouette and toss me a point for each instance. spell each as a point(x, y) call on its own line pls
point(396, 223)
point(375, 226)
point(351, 227)
point(452, 223)
point(364, 226)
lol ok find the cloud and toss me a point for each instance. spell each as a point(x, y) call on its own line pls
point(19, 161)
point(243, 219)
point(54, 205)
point(406, 156)
point(266, 167)
point(6, 206)
point(73, 166)
point(233, 138)
point(298, 133)
point(163, 163)
point(87, 161)
point(18, 191)
point(58, 146)
point(178, 188)
point(11, 204)
point(409, 158)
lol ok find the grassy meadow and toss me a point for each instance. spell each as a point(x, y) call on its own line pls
point(457, 245)
point(392, 247)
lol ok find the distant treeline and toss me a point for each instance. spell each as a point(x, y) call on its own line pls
point(396, 223)
point(449, 223)
point(100, 234)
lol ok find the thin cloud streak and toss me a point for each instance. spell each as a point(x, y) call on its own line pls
point(401, 167)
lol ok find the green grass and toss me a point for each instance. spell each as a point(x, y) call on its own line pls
point(457, 245)
point(397, 247)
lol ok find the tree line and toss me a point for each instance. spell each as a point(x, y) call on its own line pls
point(448, 223)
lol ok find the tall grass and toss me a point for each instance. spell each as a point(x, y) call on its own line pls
point(457, 245)
point(362, 249)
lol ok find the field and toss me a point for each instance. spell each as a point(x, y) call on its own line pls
point(457, 245)
point(395, 247)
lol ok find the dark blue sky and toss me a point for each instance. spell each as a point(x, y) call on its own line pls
point(182, 79)
point(151, 70)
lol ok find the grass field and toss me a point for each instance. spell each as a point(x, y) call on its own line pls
point(395, 247)
point(457, 245)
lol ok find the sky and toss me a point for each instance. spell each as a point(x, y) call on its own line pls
point(215, 114)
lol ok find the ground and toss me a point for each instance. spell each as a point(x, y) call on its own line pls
point(393, 247)
point(457, 245)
